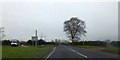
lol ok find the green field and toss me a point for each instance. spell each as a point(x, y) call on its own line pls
point(26, 52)
point(0, 51)
point(114, 50)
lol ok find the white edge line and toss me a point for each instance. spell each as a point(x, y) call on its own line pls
point(78, 53)
point(82, 55)
point(73, 50)
point(51, 53)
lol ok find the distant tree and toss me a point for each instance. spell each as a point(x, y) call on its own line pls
point(6, 42)
point(74, 28)
point(52, 42)
point(0, 42)
point(23, 43)
point(29, 42)
point(115, 43)
point(41, 41)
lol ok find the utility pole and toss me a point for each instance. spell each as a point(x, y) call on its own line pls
point(2, 33)
point(36, 37)
point(45, 39)
point(83, 42)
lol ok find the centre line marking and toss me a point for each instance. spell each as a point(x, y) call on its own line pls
point(78, 53)
point(51, 53)
point(73, 50)
point(82, 55)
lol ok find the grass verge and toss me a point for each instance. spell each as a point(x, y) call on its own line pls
point(114, 50)
point(0, 51)
point(26, 52)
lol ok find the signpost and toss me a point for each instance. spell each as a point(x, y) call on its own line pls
point(35, 39)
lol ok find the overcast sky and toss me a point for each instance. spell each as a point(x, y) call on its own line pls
point(21, 19)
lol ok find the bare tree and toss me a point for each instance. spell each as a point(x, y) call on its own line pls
point(74, 28)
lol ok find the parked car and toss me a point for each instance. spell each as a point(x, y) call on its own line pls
point(15, 43)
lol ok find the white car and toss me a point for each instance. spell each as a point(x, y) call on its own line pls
point(14, 43)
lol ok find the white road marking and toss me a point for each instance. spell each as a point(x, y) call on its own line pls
point(78, 53)
point(82, 55)
point(72, 50)
point(50, 53)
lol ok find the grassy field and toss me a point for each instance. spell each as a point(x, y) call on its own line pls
point(26, 52)
point(0, 51)
point(114, 50)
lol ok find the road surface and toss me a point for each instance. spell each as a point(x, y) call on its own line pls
point(63, 51)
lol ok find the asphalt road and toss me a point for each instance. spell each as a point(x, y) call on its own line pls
point(63, 51)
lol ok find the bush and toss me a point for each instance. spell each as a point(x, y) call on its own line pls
point(91, 43)
point(6, 42)
point(115, 43)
